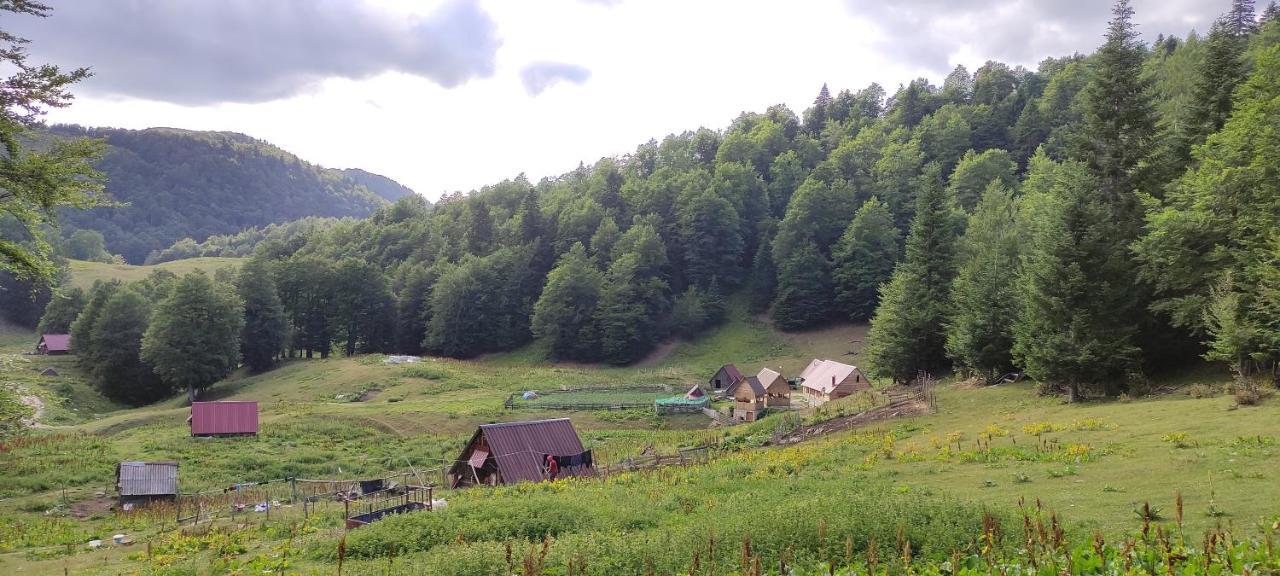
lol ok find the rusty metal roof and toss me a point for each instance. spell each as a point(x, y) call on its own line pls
point(56, 342)
point(224, 418)
point(147, 478)
point(518, 446)
point(732, 372)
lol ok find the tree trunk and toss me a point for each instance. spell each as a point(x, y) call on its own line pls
point(1073, 392)
point(191, 394)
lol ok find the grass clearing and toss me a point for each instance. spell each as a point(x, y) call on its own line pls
point(83, 273)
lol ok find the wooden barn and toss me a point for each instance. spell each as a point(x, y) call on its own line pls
point(54, 344)
point(726, 376)
point(748, 399)
point(146, 482)
point(514, 452)
point(826, 380)
point(777, 390)
point(229, 418)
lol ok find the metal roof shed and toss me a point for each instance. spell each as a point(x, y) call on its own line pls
point(147, 480)
point(513, 452)
point(224, 418)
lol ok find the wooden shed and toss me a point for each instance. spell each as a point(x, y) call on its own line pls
point(145, 482)
point(514, 452)
point(826, 380)
point(748, 399)
point(54, 344)
point(777, 389)
point(726, 376)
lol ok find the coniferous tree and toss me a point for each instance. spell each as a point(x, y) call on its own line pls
point(908, 331)
point(118, 370)
point(82, 327)
point(61, 311)
point(564, 315)
point(1068, 331)
point(984, 297)
point(262, 338)
point(864, 259)
point(763, 281)
point(194, 336)
point(804, 290)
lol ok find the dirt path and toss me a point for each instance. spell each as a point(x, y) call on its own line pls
point(37, 407)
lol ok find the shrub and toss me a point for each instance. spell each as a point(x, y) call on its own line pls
point(424, 372)
point(1201, 391)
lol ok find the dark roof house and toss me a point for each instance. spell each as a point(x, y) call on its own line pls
point(230, 418)
point(726, 376)
point(147, 480)
point(514, 452)
point(54, 344)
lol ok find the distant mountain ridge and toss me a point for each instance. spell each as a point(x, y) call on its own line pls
point(194, 184)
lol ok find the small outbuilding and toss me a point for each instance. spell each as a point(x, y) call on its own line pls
point(826, 380)
point(748, 399)
point(776, 389)
point(514, 452)
point(50, 372)
point(231, 418)
point(695, 393)
point(54, 344)
point(726, 376)
point(146, 482)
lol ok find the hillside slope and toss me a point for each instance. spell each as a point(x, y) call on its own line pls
point(188, 184)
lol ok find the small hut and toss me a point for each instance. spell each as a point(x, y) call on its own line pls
point(695, 393)
point(726, 376)
point(826, 380)
point(146, 482)
point(777, 390)
point(224, 418)
point(748, 399)
point(54, 344)
point(50, 372)
point(515, 452)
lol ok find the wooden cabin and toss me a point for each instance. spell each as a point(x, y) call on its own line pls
point(514, 452)
point(748, 399)
point(777, 390)
point(725, 377)
point(54, 344)
point(826, 380)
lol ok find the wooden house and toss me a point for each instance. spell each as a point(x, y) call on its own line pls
point(777, 390)
point(726, 376)
point(826, 380)
point(54, 344)
point(514, 452)
point(145, 482)
point(748, 399)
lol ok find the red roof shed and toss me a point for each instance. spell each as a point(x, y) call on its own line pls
point(54, 344)
point(514, 452)
point(224, 418)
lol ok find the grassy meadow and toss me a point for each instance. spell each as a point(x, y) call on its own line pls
point(927, 480)
point(83, 273)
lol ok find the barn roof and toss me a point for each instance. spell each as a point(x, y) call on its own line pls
point(230, 417)
point(518, 446)
point(825, 375)
point(147, 478)
point(56, 342)
point(767, 376)
point(750, 381)
point(732, 372)
point(695, 393)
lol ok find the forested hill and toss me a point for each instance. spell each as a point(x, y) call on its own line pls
point(387, 188)
point(188, 184)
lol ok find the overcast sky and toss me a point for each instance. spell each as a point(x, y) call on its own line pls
point(451, 95)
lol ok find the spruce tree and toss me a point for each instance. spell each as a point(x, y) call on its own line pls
point(1221, 70)
point(564, 316)
point(984, 302)
point(194, 337)
point(908, 331)
point(61, 311)
point(1068, 331)
point(804, 290)
point(864, 259)
point(263, 335)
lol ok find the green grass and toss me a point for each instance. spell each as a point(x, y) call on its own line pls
point(83, 274)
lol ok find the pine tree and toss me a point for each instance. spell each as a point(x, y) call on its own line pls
point(194, 337)
point(1242, 18)
point(118, 370)
point(262, 338)
point(908, 331)
point(864, 259)
point(804, 290)
point(762, 283)
point(984, 297)
point(61, 311)
point(1068, 331)
point(564, 315)
point(1221, 70)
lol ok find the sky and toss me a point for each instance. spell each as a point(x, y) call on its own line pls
point(447, 95)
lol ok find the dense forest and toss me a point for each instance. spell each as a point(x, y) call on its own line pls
point(240, 244)
point(1089, 222)
point(158, 175)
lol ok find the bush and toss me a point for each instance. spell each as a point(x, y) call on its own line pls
point(424, 372)
point(1201, 391)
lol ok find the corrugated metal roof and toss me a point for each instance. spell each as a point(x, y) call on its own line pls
point(825, 375)
point(147, 478)
point(238, 417)
point(517, 446)
point(56, 342)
